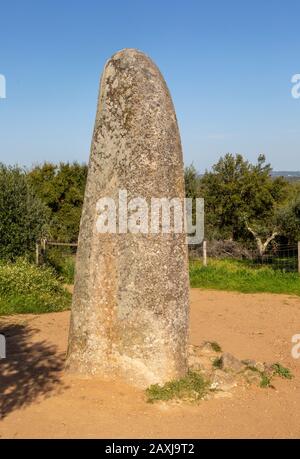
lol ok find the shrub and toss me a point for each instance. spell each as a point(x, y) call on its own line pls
point(26, 288)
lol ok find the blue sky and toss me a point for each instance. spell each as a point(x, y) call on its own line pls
point(228, 65)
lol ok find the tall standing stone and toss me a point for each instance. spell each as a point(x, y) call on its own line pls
point(130, 304)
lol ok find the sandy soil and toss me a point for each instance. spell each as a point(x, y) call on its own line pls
point(37, 400)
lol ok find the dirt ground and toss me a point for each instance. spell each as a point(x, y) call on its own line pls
point(39, 401)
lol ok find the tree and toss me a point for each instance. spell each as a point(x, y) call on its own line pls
point(23, 216)
point(192, 182)
point(262, 238)
point(242, 198)
point(289, 217)
point(61, 188)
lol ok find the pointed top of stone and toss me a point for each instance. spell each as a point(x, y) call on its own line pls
point(129, 53)
point(133, 58)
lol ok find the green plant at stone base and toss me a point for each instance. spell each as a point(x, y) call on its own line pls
point(281, 371)
point(265, 380)
point(192, 387)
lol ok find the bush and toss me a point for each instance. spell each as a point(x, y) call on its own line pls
point(26, 288)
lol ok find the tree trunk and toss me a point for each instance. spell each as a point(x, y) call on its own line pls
point(262, 246)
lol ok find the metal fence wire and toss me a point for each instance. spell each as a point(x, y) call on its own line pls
point(281, 257)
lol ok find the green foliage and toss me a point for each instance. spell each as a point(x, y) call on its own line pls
point(26, 288)
point(61, 188)
point(281, 371)
point(265, 381)
point(192, 387)
point(192, 182)
point(289, 218)
point(192, 186)
point(23, 217)
point(237, 191)
point(240, 276)
point(63, 263)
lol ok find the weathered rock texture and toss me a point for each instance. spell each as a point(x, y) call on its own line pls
point(130, 303)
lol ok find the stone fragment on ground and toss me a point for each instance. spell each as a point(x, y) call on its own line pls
point(224, 371)
point(223, 381)
point(231, 364)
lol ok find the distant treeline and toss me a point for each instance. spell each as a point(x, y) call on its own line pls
point(290, 176)
point(243, 202)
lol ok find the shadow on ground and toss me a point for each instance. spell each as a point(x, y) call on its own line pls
point(31, 369)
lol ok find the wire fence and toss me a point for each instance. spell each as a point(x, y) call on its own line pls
point(283, 257)
point(59, 255)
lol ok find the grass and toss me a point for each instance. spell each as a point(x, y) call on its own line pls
point(192, 387)
point(26, 288)
point(63, 263)
point(235, 275)
point(67, 270)
point(265, 381)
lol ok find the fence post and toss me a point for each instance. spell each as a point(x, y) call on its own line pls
point(204, 253)
point(299, 257)
point(37, 253)
point(44, 242)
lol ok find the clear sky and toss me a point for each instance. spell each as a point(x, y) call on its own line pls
point(228, 65)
